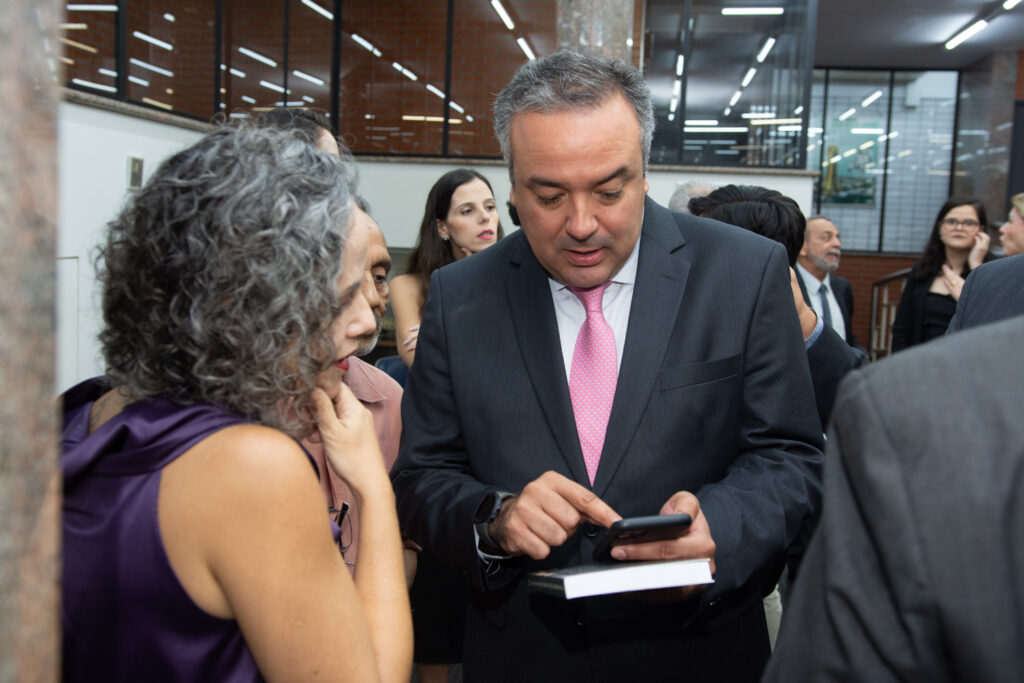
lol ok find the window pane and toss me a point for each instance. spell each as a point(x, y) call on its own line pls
point(728, 90)
point(852, 154)
point(170, 55)
point(919, 156)
point(393, 61)
point(310, 23)
point(252, 55)
point(88, 43)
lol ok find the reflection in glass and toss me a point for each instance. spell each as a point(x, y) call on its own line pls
point(87, 37)
point(252, 56)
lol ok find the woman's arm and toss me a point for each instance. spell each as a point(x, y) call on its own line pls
point(245, 528)
point(407, 305)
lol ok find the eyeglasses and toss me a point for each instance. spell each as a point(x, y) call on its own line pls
point(344, 521)
point(966, 222)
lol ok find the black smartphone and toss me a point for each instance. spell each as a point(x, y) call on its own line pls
point(640, 530)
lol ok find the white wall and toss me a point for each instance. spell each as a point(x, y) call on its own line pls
point(93, 150)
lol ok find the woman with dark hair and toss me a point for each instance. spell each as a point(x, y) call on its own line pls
point(195, 544)
point(460, 219)
point(958, 243)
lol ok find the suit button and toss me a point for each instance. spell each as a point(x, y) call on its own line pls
point(591, 530)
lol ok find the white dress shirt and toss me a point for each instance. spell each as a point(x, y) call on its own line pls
point(813, 286)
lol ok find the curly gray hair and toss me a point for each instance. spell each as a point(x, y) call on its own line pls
point(572, 80)
point(220, 276)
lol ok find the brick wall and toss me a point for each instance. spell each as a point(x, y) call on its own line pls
point(863, 269)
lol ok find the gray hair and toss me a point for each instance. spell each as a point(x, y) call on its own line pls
point(220, 276)
point(572, 80)
point(680, 200)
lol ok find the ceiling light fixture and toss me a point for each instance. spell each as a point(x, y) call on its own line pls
point(672, 105)
point(405, 72)
point(153, 41)
point(715, 129)
point(758, 115)
point(236, 72)
point(307, 77)
point(366, 44)
point(150, 67)
point(157, 103)
point(73, 27)
point(505, 18)
point(870, 99)
point(457, 107)
point(246, 98)
point(318, 9)
point(848, 113)
point(701, 122)
point(680, 61)
point(967, 33)
point(774, 122)
point(751, 11)
point(308, 99)
point(1010, 4)
point(768, 45)
point(169, 17)
point(92, 8)
point(273, 86)
point(735, 98)
point(677, 88)
point(867, 131)
point(257, 56)
point(434, 89)
point(90, 84)
point(526, 49)
point(81, 46)
point(799, 110)
point(751, 72)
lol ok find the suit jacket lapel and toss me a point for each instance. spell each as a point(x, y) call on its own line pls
point(533, 317)
point(657, 295)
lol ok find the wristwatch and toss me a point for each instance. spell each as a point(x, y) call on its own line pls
point(486, 513)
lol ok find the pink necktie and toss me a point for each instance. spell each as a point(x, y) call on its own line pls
point(592, 377)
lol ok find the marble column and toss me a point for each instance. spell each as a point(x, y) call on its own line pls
point(29, 481)
point(603, 27)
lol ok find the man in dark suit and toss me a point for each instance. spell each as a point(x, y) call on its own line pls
point(993, 291)
point(915, 572)
point(712, 412)
point(829, 295)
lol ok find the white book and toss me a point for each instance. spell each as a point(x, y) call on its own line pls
point(620, 577)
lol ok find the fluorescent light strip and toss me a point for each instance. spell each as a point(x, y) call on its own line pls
point(250, 100)
point(236, 72)
point(715, 129)
point(90, 84)
point(469, 118)
point(700, 122)
point(774, 122)
point(505, 18)
point(790, 129)
point(721, 142)
point(680, 61)
point(257, 56)
point(768, 45)
point(672, 105)
point(169, 17)
point(157, 103)
point(408, 74)
point(751, 72)
point(728, 110)
point(848, 113)
point(751, 11)
point(677, 88)
point(457, 107)
point(92, 8)
point(150, 67)
point(870, 99)
point(798, 110)
point(735, 98)
point(153, 41)
point(727, 152)
point(305, 76)
point(308, 99)
point(73, 27)
point(318, 9)
point(867, 131)
point(434, 89)
point(68, 61)
point(282, 103)
point(671, 116)
point(526, 49)
point(273, 86)
point(1010, 4)
point(366, 44)
point(758, 115)
point(238, 115)
point(81, 46)
point(139, 81)
point(108, 72)
point(867, 145)
point(967, 33)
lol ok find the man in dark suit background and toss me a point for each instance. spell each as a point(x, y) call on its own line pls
point(915, 572)
point(992, 292)
point(817, 263)
point(712, 412)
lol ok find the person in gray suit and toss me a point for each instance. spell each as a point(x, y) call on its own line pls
point(993, 291)
point(915, 571)
point(711, 407)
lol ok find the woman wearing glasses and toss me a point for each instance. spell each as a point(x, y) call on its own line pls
point(195, 545)
point(958, 243)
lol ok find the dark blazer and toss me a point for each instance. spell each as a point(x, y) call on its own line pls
point(993, 291)
point(843, 291)
point(830, 359)
point(713, 397)
point(915, 572)
point(908, 325)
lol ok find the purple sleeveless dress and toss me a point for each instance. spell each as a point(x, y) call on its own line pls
point(126, 617)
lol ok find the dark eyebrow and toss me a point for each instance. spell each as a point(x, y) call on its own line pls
point(622, 172)
point(383, 262)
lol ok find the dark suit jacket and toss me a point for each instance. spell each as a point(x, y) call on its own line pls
point(843, 291)
point(993, 291)
point(915, 572)
point(713, 397)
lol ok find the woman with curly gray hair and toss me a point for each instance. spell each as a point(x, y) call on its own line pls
point(195, 544)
